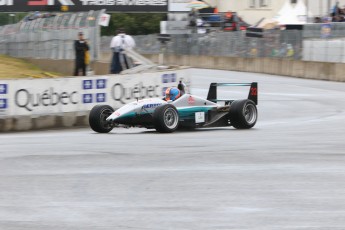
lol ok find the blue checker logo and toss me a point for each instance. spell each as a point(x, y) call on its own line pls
point(3, 88)
point(163, 91)
point(87, 98)
point(3, 104)
point(165, 78)
point(100, 97)
point(87, 84)
point(168, 78)
point(101, 83)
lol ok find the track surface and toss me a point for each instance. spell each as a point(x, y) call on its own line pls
point(286, 173)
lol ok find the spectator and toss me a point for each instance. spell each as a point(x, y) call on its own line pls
point(193, 16)
point(80, 47)
point(228, 16)
point(336, 10)
point(118, 44)
point(317, 20)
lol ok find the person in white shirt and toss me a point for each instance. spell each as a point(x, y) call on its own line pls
point(118, 44)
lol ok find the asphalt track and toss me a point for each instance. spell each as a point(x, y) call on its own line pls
point(288, 172)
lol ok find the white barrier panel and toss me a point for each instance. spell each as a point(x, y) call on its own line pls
point(36, 97)
point(322, 50)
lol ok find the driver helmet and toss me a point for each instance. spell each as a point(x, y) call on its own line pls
point(172, 94)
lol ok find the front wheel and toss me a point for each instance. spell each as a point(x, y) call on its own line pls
point(243, 114)
point(98, 116)
point(165, 118)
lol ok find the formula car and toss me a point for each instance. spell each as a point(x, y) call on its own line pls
point(188, 111)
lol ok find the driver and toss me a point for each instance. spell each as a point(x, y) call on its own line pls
point(172, 93)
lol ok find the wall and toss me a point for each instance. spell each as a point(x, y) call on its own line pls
point(285, 67)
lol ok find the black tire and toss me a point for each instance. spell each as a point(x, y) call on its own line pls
point(243, 114)
point(98, 116)
point(165, 118)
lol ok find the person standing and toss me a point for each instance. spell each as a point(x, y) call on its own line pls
point(80, 47)
point(120, 43)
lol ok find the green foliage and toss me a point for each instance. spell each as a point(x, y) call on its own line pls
point(11, 18)
point(134, 24)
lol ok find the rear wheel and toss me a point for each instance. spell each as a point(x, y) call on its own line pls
point(165, 118)
point(98, 116)
point(243, 114)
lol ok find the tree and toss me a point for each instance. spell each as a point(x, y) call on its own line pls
point(134, 24)
point(11, 18)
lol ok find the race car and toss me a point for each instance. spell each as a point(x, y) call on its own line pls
point(188, 111)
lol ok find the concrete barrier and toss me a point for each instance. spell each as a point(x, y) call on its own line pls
point(26, 123)
point(286, 67)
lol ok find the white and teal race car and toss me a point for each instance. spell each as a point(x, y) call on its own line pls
point(188, 111)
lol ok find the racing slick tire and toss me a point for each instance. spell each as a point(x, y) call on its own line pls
point(165, 118)
point(243, 114)
point(98, 116)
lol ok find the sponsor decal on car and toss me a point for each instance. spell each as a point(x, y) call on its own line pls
point(150, 106)
point(191, 100)
point(199, 117)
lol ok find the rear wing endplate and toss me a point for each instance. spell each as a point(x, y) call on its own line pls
point(253, 91)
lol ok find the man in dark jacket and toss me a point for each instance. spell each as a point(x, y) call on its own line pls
point(80, 47)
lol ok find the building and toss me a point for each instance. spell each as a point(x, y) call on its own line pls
point(253, 10)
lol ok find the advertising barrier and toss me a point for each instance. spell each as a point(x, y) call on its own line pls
point(84, 5)
point(37, 97)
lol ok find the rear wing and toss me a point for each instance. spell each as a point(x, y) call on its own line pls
point(253, 91)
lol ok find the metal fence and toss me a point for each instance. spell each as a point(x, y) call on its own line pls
point(315, 30)
point(145, 44)
point(275, 44)
point(51, 37)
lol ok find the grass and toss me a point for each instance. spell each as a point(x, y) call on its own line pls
point(15, 68)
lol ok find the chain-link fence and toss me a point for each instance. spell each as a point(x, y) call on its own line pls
point(145, 44)
point(51, 37)
point(324, 42)
point(318, 30)
point(276, 44)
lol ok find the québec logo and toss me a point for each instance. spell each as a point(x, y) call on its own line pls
point(94, 86)
point(3, 88)
point(169, 78)
point(87, 98)
point(3, 92)
point(3, 103)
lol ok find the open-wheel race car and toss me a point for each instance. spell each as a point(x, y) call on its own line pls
point(187, 111)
